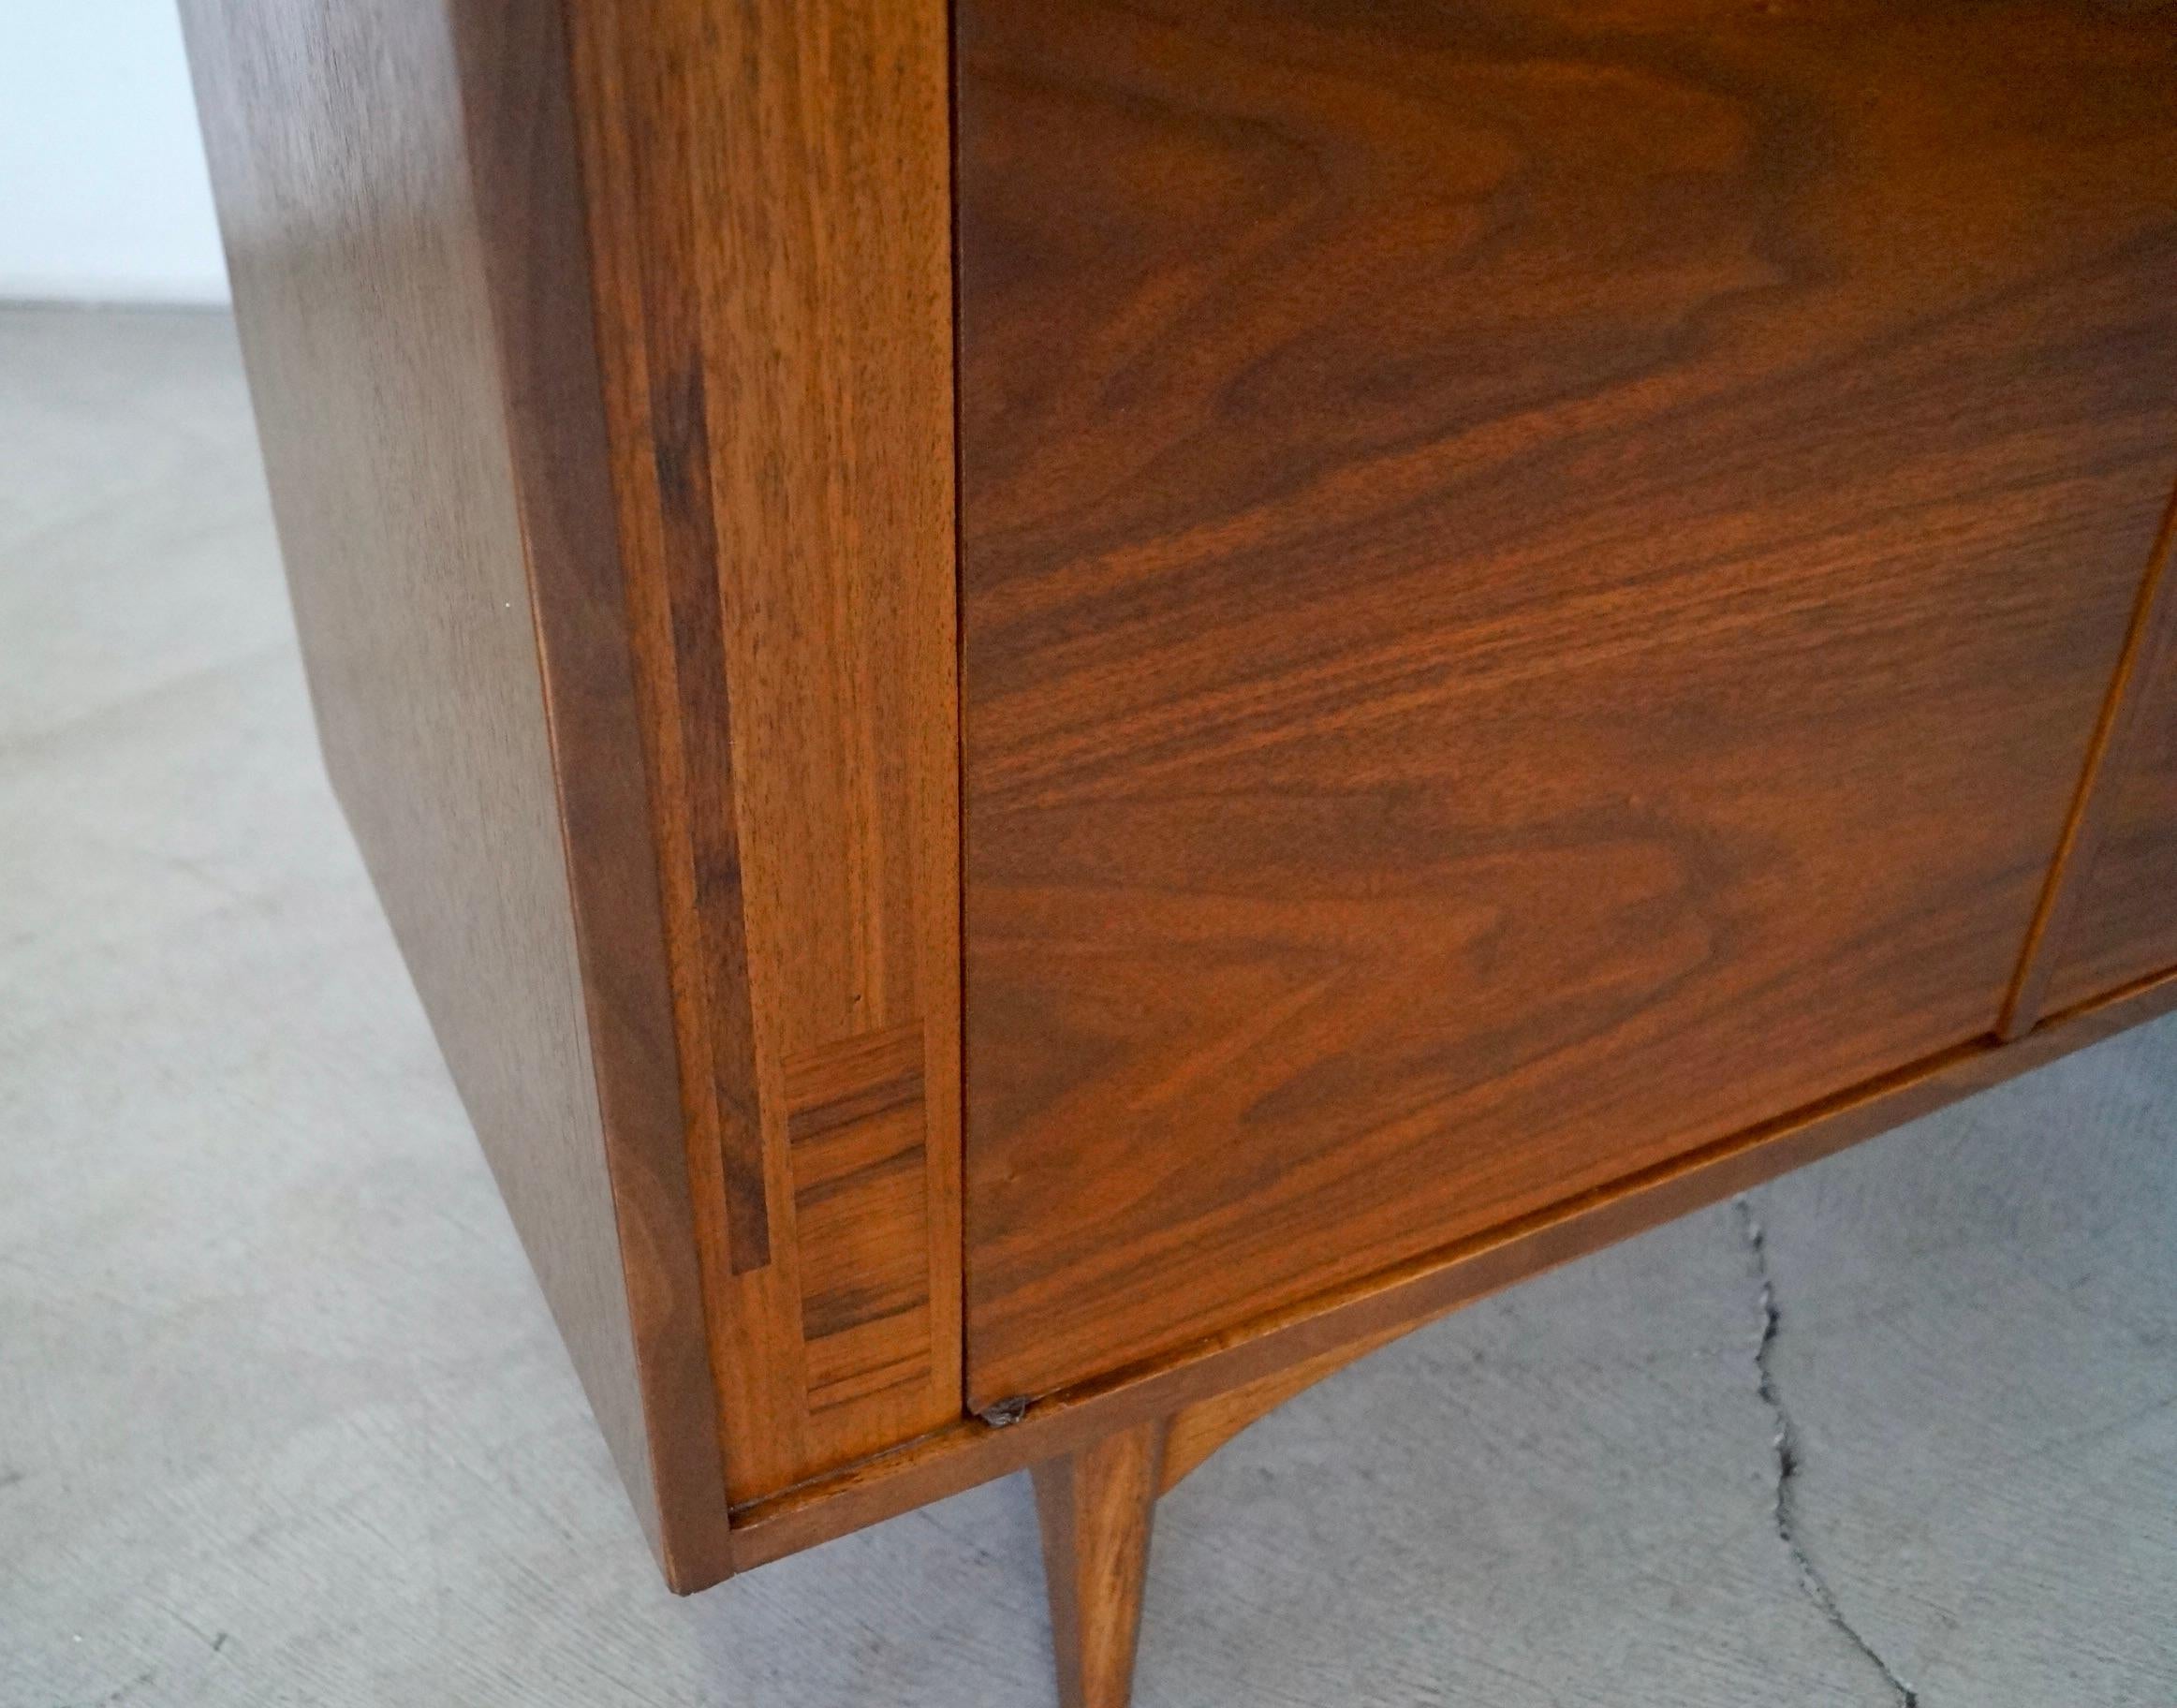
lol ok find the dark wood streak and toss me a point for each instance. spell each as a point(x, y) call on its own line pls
point(680, 442)
point(901, 1161)
point(825, 1315)
point(1536, 585)
point(843, 1112)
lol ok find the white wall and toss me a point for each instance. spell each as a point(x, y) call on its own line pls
point(102, 189)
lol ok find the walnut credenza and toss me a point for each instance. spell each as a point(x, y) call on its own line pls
point(1071, 709)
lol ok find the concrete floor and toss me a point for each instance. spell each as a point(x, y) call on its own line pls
point(283, 1420)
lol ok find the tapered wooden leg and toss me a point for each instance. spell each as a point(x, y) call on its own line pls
point(1096, 1506)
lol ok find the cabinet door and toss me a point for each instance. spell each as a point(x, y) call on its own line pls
point(1537, 579)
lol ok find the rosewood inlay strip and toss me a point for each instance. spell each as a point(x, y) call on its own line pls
point(854, 1066)
point(856, 1125)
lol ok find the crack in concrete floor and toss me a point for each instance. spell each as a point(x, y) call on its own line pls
point(1811, 1580)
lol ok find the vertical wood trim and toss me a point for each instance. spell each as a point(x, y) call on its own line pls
point(772, 187)
point(2149, 643)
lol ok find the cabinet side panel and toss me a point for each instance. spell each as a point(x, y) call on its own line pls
point(770, 188)
point(396, 190)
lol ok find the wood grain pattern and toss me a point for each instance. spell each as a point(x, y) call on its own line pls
point(2110, 916)
point(1388, 1302)
point(1537, 582)
point(1097, 1507)
point(396, 187)
point(769, 190)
